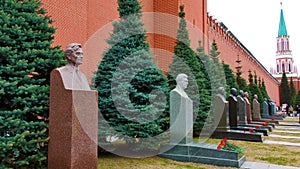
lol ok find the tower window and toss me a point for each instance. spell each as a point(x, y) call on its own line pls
point(283, 68)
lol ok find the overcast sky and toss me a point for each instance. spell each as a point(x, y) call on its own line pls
point(255, 23)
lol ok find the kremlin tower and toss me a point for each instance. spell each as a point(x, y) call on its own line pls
point(284, 58)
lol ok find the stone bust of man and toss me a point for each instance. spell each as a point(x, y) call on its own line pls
point(182, 83)
point(181, 112)
point(255, 97)
point(72, 77)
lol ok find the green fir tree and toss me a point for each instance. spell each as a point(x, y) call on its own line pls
point(284, 90)
point(241, 82)
point(217, 76)
point(298, 98)
point(186, 61)
point(132, 90)
point(254, 88)
point(27, 58)
point(263, 90)
point(293, 93)
point(230, 78)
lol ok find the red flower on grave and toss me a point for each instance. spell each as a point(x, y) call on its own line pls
point(226, 145)
point(257, 127)
point(222, 143)
point(272, 119)
point(251, 130)
point(264, 124)
point(244, 131)
point(225, 140)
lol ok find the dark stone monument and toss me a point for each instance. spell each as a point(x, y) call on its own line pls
point(222, 131)
point(233, 116)
point(181, 146)
point(265, 109)
point(73, 121)
point(257, 115)
point(250, 123)
point(269, 109)
point(241, 105)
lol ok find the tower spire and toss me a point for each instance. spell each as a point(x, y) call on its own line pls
point(282, 28)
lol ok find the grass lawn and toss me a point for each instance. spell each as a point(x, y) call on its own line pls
point(109, 161)
point(254, 151)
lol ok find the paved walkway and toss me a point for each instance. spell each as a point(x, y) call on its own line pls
point(285, 131)
point(281, 143)
point(257, 165)
point(288, 127)
point(281, 136)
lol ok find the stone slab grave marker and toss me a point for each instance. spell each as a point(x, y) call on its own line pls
point(181, 146)
point(241, 105)
point(248, 107)
point(234, 114)
point(220, 114)
point(73, 116)
point(181, 117)
point(249, 115)
point(257, 115)
point(266, 113)
point(256, 108)
point(220, 111)
point(269, 109)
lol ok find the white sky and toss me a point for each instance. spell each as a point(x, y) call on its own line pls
point(255, 23)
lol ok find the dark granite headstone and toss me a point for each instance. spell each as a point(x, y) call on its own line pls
point(232, 102)
point(265, 109)
point(241, 108)
point(272, 108)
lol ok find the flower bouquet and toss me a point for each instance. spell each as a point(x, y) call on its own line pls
point(226, 145)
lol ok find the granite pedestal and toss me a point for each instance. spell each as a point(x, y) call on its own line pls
point(202, 153)
point(73, 127)
point(181, 146)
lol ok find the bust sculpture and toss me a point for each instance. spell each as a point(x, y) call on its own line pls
point(248, 107)
point(241, 108)
point(181, 112)
point(72, 77)
point(73, 116)
point(232, 100)
point(220, 110)
point(256, 108)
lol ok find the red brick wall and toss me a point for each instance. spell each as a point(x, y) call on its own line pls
point(89, 22)
point(231, 49)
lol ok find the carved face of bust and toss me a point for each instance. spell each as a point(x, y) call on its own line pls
point(233, 91)
point(246, 94)
point(74, 54)
point(221, 91)
point(182, 81)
